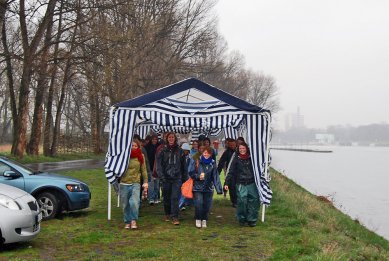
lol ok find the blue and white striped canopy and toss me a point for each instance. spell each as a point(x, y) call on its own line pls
point(190, 106)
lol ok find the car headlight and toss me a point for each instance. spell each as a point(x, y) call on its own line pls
point(9, 202)
point(75, 187)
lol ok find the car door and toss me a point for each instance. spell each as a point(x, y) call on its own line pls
point(16, 182)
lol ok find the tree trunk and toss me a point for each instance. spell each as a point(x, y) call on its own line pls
point(3, 9)
point(36, 128)
point(56, 133)
point(20, 132)
point(95, 121)
point(48, 128)
point(10, 77)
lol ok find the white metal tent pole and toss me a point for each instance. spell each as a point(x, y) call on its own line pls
point(266, 159)
point(118, 200)
point(263, 213)
point(109, 201)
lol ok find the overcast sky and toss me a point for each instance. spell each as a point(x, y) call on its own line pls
point(329, 57)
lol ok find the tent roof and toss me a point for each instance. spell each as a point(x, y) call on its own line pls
point(190, 91)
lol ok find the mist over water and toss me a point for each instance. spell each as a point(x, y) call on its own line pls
point(355, 178)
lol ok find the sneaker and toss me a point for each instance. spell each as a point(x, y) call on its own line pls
point(175, 221)
point(167, 218)
point(183, 209)
point(198, 223)
point(133, 224)
point(151, 202)
point(252, 224)
point(204, 223)
point(127, 226)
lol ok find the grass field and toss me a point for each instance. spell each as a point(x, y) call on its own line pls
point(298, 226)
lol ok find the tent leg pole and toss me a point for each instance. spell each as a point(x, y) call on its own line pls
point(109, 201)
point(263, 213)
point(118, 200)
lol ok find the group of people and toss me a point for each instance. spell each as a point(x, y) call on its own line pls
point(164, 165)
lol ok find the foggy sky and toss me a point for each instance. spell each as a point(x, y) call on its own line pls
point(330, 58)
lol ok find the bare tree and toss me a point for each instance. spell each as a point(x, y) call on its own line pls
point(76, 58)
point(42, 83)
point(30, 42)
point(263, 91)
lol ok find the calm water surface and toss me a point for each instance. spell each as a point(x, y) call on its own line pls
point(355, 178)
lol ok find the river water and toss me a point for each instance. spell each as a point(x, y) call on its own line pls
point(356, 179)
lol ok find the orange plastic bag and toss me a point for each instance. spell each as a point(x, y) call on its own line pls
point(187, 188)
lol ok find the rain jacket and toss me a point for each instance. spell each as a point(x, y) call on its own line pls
point(211, 179)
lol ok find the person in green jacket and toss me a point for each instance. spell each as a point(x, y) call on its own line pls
point(130, 186)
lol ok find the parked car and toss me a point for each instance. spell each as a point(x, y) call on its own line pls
point(20, 215)
point(54, 193)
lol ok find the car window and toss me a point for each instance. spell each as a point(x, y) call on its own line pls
point(3, 168)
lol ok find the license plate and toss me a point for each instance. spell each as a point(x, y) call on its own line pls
point(39, 217)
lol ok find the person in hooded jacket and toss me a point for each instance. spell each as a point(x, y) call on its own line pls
point(205, 177)
point(171, 169)
point(248, 201)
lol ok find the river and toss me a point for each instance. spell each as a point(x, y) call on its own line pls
point(356, 179)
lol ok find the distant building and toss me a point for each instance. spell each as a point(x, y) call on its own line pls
point(294, 120)
point(324, 138)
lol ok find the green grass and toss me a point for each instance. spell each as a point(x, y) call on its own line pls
point(298, 226)
point(60, 157)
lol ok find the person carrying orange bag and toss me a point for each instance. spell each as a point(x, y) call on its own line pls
point(205, 177)
point(187, 188)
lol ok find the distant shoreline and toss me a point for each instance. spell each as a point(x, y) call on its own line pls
point(303, 150)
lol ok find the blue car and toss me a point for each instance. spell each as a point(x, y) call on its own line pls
point(54, 193)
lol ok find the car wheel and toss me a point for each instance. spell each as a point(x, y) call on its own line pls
point(48, 204)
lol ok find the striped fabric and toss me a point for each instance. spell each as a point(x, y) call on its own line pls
point(143, 130)
point(258, 142)
point(210, 117)
point(122, 127)
point(231, 133)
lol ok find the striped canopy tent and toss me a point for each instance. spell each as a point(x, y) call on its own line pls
point(190, 106)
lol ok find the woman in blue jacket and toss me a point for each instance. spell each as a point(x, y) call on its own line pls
point(205, 177)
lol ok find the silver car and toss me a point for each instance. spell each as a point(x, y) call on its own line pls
point(20, 215)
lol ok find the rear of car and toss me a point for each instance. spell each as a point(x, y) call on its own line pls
point(20, 215)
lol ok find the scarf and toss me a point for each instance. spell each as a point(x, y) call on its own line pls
point(205, 161)
point(137, 153)
point(244, 156)
point(171, 146)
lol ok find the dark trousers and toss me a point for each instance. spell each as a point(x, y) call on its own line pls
point(171, 191)
point(203, 203)
point(248, 203)
point(232, 191)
